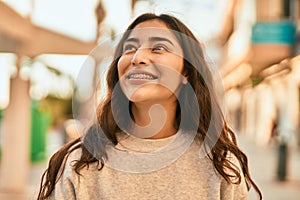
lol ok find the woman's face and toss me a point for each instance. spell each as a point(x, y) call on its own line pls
point(150, 68)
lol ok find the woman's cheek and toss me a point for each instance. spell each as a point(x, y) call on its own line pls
point(123, 64)
point(121, 67)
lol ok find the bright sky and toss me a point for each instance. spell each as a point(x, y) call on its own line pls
point(73, 18)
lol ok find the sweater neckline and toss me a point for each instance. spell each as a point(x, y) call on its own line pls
point(143, 145)
point(137, 155)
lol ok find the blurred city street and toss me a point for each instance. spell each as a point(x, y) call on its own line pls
point(263, 165)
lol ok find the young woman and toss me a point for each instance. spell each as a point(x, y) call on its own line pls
point(160, 132)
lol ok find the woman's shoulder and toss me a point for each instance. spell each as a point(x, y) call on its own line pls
point(68, 154)
point(77, 158)
point(75, 154)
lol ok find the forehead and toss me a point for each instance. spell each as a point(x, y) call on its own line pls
point(152, 28)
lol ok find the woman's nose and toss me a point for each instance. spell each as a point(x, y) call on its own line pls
point(140, 57)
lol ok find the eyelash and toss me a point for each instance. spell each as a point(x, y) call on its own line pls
point(159, 47)
point(156, 48)
point(129, 48)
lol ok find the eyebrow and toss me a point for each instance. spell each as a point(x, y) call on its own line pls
point(151, 39)
point(132, 40)
point(156, 39)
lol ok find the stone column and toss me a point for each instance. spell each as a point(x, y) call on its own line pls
point(15, 132)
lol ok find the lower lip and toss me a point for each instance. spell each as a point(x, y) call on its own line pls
point(140, 81)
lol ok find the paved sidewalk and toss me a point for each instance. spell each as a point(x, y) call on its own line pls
point(32, 188)
point(263, 165)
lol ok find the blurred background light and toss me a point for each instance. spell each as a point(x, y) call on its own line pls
point(7, 69)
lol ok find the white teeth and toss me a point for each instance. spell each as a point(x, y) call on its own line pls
point(141, 76)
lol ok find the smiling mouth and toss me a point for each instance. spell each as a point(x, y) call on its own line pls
point(141, 76)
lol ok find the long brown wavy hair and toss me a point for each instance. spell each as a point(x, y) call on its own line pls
point(210, 124)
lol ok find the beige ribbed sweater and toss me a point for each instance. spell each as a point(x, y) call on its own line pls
point(185, 177)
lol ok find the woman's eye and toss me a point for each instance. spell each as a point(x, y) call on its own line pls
point(159, 48)
point(129, 48)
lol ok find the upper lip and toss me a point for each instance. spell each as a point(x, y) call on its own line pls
point(138, 71)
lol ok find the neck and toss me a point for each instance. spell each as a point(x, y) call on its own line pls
point(154, 121)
